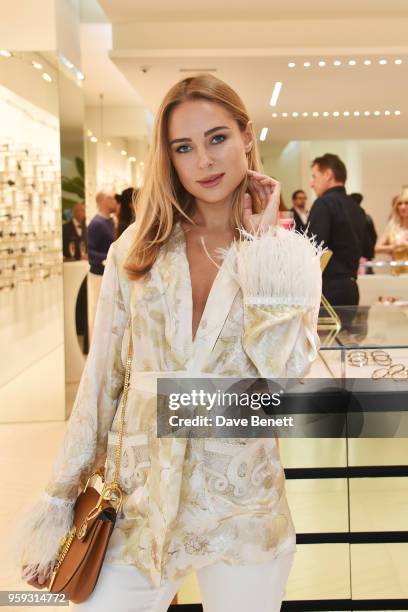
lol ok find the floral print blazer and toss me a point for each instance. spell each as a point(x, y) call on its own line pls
point(188, 502)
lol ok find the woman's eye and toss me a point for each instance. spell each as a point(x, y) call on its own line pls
point(183, 149)
point(218, 138)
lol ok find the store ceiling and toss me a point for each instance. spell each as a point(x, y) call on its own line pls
point(316, 89)
point(120, 11)
point(140, 60)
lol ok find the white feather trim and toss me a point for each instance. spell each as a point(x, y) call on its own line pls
point(37, 534)
point(278, 267)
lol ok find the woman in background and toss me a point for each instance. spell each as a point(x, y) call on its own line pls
point(126, 216)
point(394, 239)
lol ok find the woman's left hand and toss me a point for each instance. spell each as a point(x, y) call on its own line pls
point(268, 192)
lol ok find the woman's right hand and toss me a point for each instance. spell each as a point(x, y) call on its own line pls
point(40, 580)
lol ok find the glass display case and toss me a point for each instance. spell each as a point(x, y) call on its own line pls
point(349, 495)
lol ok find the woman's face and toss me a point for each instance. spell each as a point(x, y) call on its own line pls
point(208, 150)
point(403, 209)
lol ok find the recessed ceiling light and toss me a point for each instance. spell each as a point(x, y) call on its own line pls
point(307, 64)
point(387, 113)
point(123, 152)
point(132, 159)
point(305, 114)
point(352, 62)
point(336, 114)
point(274, 115)
point(346, 114)
point(67, 63)
point(315, 114)
point(284, 114)
point(398, 61)
point(397, 112)
point(5, 53)
point(291, 65)
point(321, 63)
point(263, 134)
point(108, 143)
point(275, 93)
point(356, 113)
point(367, 62)
point(326, 114)
point(295, 114)
point(382, 62)
point(93, 139)
point(377, 113)
point(337, 63)
point(36, 65)
point(367, 113)
point(46, 77)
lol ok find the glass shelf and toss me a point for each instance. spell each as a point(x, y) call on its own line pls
point(370, 327)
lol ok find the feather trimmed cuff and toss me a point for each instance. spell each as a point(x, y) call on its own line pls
point(38, 534)
point(277, 268)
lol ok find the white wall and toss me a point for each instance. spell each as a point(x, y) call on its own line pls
point(105, 169)
point(31, 316)
point(283, 161)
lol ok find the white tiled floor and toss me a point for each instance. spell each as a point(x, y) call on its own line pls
point(320, 571)
point(26, 453)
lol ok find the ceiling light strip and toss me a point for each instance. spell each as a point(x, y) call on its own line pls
point(263, 134)
point(336, 114)
point(382, 61)
point(275, 93)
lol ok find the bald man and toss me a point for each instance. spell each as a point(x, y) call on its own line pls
point(101, 231)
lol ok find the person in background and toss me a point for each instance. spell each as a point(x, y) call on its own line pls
point(371, 236)
point(339, 224)
point(74, 247)
point(101, 234)
point(299, 209)
point(394, 239)
point(73, 233)
point(126, 214)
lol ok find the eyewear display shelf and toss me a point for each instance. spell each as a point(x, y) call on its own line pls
point(30, 225)
point(349, 495)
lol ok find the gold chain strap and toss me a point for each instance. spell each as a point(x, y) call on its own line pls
point(118, 451)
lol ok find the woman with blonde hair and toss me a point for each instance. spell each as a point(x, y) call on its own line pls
point(394, 239)
point(214, 506)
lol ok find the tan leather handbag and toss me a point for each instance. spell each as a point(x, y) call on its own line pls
point(83, 548)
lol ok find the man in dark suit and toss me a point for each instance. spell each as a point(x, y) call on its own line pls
point(299, 209)
point(74, 232)
point(336, 221)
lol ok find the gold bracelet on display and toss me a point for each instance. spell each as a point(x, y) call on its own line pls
point(398, 371)
point(380, 357)
point(357, 359)
point(380, 373)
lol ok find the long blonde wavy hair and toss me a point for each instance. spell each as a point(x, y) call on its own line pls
point(395, 214)
point(163, 201)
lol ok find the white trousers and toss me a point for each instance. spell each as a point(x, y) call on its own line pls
point(244, 588)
